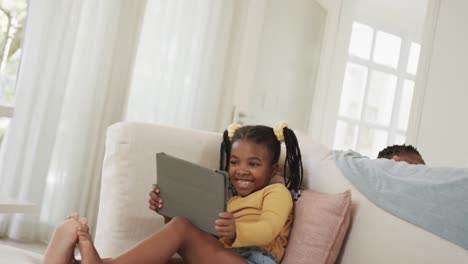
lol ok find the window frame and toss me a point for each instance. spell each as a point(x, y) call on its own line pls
point(400, 72)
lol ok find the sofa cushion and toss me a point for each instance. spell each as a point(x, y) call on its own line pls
point(319, 227)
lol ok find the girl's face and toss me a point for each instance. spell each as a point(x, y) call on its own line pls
point(250, 166)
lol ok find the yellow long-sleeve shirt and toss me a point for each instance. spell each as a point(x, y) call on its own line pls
point(263, 219)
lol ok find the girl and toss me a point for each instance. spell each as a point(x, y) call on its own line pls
point(256, 226)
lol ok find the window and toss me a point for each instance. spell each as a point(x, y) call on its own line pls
point(377, 90)
point(12, 19)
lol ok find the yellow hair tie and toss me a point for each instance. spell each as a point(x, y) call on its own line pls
point(232, 128)
point(278, 129)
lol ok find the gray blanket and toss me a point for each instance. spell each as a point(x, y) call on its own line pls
point(435, 199)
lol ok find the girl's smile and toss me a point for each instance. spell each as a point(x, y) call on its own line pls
point(250, 166)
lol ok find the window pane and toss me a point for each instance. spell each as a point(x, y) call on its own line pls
point(405, 105)
point(399, 139)
point(413, 59)
point(345, 136)
point(4, 121)
point(353, 91)
point(361, 40)
point(387, 49)
point(379, 103)
point(372, 141)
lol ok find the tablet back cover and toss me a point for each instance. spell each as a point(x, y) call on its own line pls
point(192, 191)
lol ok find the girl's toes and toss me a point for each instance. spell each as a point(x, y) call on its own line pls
point(72, 216)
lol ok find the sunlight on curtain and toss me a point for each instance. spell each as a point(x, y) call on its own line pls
point(177, 78)
point(75, 70)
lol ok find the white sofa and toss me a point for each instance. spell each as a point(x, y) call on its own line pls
point(129, 169)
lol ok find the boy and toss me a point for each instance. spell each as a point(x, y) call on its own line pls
point(403, 152)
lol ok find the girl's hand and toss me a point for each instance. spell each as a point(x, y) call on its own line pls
point(226, 226)
point(155, 202)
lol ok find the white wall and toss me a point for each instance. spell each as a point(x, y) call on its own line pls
point(331, 69)
point(288, 56)
point(273, 60)
point(396, 16)
point(442, 136)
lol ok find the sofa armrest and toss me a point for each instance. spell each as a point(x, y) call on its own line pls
point(129, 170)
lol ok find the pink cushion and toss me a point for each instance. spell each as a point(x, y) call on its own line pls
point(319, 227)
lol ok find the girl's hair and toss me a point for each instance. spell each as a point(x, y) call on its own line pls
point(264, 135)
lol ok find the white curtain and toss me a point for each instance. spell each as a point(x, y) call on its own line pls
point(180, 63)
point(75, 70)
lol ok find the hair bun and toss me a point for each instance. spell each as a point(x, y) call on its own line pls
point(232, 128)
point(278, 129)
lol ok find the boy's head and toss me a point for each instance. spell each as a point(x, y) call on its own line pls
point(403, 152)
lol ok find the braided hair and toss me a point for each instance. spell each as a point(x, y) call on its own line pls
point(293, 171)
point(389, 152)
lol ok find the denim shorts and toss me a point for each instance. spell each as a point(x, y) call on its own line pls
point(254, 255)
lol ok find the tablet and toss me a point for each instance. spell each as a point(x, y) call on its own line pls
point(192, 191)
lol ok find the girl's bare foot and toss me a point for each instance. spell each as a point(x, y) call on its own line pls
point(83, 224)
point(88, 252)
point(62, 245)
